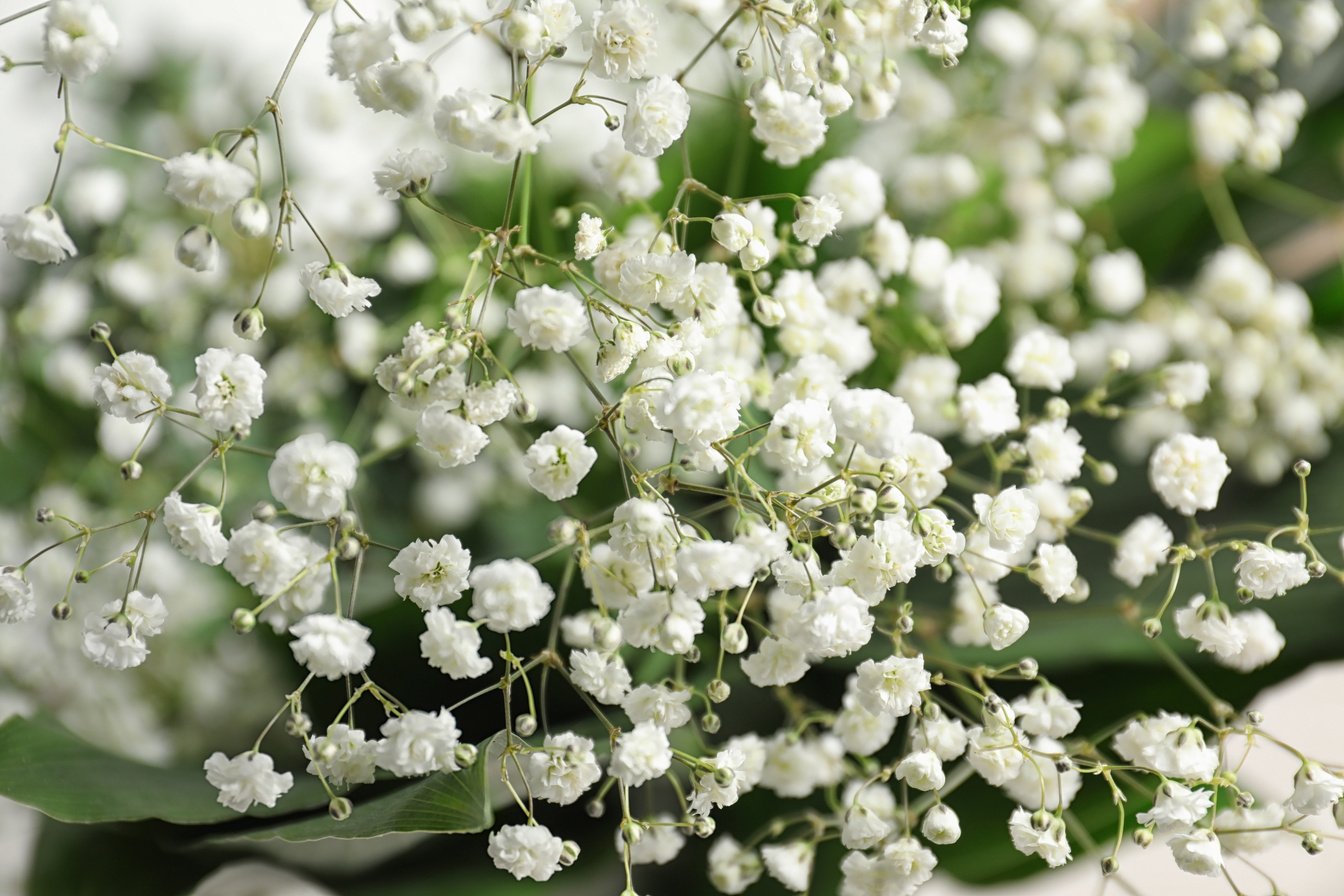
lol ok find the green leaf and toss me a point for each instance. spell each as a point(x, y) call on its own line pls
point(45, 766)
point(443, 803)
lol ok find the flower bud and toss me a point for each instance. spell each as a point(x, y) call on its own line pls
point(340, 808)
point(416, 22)
point(1109, 865)
point(702, 826)
point(1312, 843)
point(754, 255)
point(768, 311)
point(251, 218)
point(1302, 468)
point(863, 501)
point(1143, 837)
point(298, 725)
point(631, 831)
point(1152, 628)
point(243, 621)
point(197, 248)
point(890, 499)
point(569, 853)
point(100, 332)
point(734, 638)
point(249, 324)
point(131, 470)
point(718, 690)
point(61, 611)
point(525, 725)
point(709, 722)
point(263, 511)
point(843, 536)
point(595, 808)
point(317, 6)
point(348, 548)
point(612, 122)
point(1028, 668)
point(525, 410)
point(465, 755)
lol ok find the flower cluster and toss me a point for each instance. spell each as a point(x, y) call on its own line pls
point(774, 466)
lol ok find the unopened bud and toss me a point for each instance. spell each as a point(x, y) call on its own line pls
point(768, 311)
point(702, 826)
point(61, 611)
point(243, 621)
point(1028, 668)
point(1109, 865)
point(1302, 468)
point(197, 249)
point(525, 410)
point(131, 470)
point(709, 723)
point(100, 332)
point(569, 853)
point(349, 547)
point(45, 515)
point(525, 725)
point(734, 637)
point(249, 324)
point(612, 122)
point(718, 690)
point(340, 808)
point(465, 755)
point(631, 831)
point(1143, 837)
point(1152, 628)
point(251, 218)
point(1312, 843)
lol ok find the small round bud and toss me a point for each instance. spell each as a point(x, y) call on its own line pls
point(132, 470)
point(631, 831)
point(1152, 628)
point(263, 511)
point(709, 723)
point(45, 515)
point(1105, 473)
point(525, 725)
point(768, 311)
point(61, 611)
point(806, 256)
point(1056, 408)
point(863, 501)
point(81, 576)
point(298, 725)
point(890, 499)
point(611, 122)
point(1109, 865)
point(744, 61)
point(723, 776)
point(465, 755)
point(243, 621)
point(1255, 717)
point(1063, 764)
point(595, 808)
point(606, 633)
point(1302, 468)
point(843, 536)
point(416, 22)
point(1312, 843)
point(340, 808)
point(905, 623)
point(1316, 569)
point(681, 363)
point(691, 654)
point(1028, 668)
point(1119, 360)
point(1143, 837)
point(630, 450)
point(525, 410)
point(328, 751)
point(249, 324)
point(251, 218)
point(197, 249)
point(734, 638)
point(702, 826)
point(100, 332)
point(346, 520)
point(348, 548)
point(1245, 799)
point(569, 853)
point(718, 690)
point(562, 217)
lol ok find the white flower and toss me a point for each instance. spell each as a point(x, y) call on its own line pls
point(452, 646)
point(641, 754)
point(701, 408)
point(526, 850)
point(719, 785)
point(622, 40)
point(945, 736)
point(431, 573)
point(1143, 546)
point(1198, 852)
point(664, 706)
point(206, 180)
point(1269, 572)
point(1171, 744)
point(1010, 517)
point(37, 235)
point(1046, 711)
point(922, 770)
point(418, 742)
point(358, 46)
point(988, 409)
point(629, 176)
point(228, 389)
point(77, 39)
point(856, 187)
point(732, 231)
point(1055, 450)
point(1187, 472)
point(311, 476)
point(941, 825)
point(1177, 807)
point(407, 172)
point(1055, 569)
point(1314, 790)
point(1040, 359)
point(1115, 281)
point(563, 768)
point(790, 863)
point(893, 686)
point(335, 290)
point(393, 85)
point(1004, 625)
point(801, 434)
point(509, 595)
point(733, 867)
point(548, 319)
point(130, 386)
point(656, 117)
point(115, 636)
point(442, 431)
point(815, 218)
point(246, 779)
point(343, 755)
point(1221, 124)
point(661, 842)
point(590, 238)
point(557, 462)
point(331, 646)
point(605, 677)
point(195, 530)
point(966, 297)
point(876, 420)
point(1185, 383)
point(1041, 834)
point(16, 596)
point(944, 33)
point(776, 662)
point(477, 121)
point(791, 125)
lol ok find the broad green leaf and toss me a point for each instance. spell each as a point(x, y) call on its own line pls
point(443, 803)
point(45, 766)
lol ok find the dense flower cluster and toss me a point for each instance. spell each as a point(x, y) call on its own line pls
point(809, 481)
